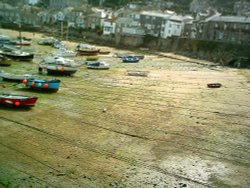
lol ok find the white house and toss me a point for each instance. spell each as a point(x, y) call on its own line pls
point(172, 27)
point(161, 24)
point(109, 27)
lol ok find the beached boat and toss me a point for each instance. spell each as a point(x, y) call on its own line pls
point(17, 100)
point(41, 84)
point(130, 59)
point(214, 85)
point(55, 60)
point(104, 52)
point(60, 70)
point(58, 66)
point(137, 73)
point(13, 77)
point(85, 49)
point(18, 55)
point(99, 65)
point(4, 61)
point(23, 43)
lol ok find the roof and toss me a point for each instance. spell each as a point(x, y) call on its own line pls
point(176, 18)
point(157, 14)
point(237, 19)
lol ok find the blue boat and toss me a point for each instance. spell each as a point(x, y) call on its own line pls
point(41, 84)
point(130, 59)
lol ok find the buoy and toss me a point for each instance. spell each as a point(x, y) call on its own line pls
point(17, 103)
point(24, 82)
point(32, 84)
point(46, 85)
point(62, 69)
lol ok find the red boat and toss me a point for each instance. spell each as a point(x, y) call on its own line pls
point(17, 100)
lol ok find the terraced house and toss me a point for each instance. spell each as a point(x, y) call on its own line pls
point(235, 29)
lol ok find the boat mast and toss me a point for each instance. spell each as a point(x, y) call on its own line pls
point(19, 30)
point(20, 34)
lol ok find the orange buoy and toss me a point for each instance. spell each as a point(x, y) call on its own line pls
point(24, 82)
point(46, 85)
point(17, 103)
point(32, 84)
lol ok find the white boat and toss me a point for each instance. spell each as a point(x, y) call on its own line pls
point(99, 65)
point(55, 60)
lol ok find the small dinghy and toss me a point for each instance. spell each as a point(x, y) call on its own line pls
point(99, 65)
point(41, 84)
point(214, 85)
point(17, 100)
point(130, 59)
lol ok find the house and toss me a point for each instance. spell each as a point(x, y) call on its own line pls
point(161, 24)
point(109, 26)
point(197, 6)
point(172, 27)
point(96, 18)
point(127, 26)
point(235, 29)
point(59, 4)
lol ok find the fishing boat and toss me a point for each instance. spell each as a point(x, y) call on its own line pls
point(41, 84)
point(4, 61)
point(55, 60)
point(85, 49)
point(18, 55)
point(99, 65)
point(13, 77)
point(17, 100)
point(130, 59)
point(60, 70)
point(214, 85)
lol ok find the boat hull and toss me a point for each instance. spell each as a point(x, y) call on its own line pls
point(61, 70)
point(20, 57)
point(14, 78)
point(130, 60)
point(214, 85)
point(40, 84)
point(88, 52)
point(17, 100)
